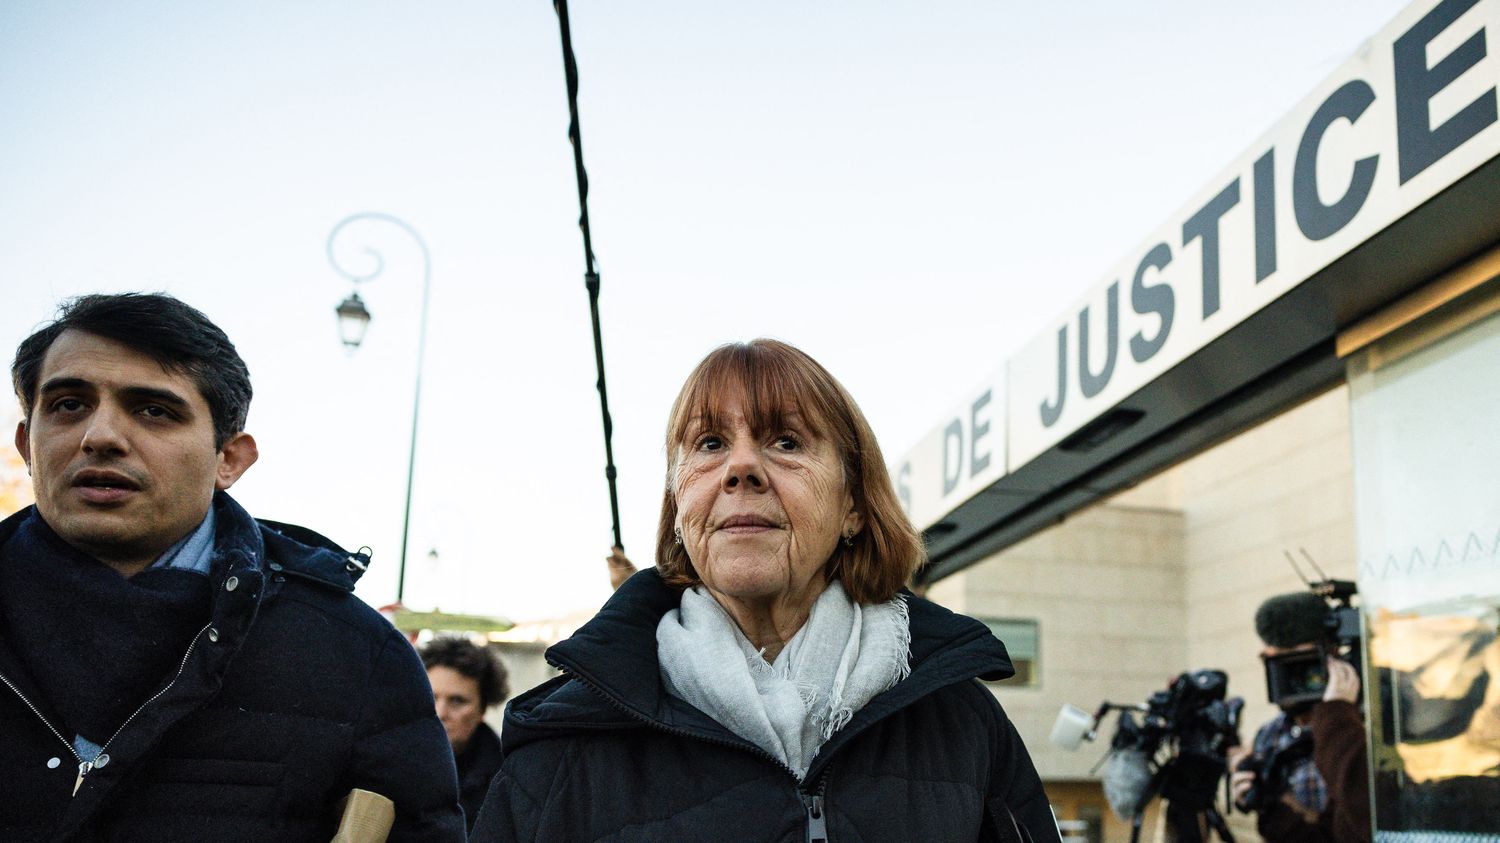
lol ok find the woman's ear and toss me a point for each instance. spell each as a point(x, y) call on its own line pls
point(854, 522)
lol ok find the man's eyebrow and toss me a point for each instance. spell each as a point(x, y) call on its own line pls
point(56, 384)
point(138, 393)
point(157, 394)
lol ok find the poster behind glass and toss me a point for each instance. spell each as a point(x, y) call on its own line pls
point(1427, 502)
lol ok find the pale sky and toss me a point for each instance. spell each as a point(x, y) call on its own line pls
point(906, 190)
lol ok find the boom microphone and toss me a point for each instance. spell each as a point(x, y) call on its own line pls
point(1288, 620)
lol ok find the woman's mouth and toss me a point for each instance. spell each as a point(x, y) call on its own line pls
point(746, 524)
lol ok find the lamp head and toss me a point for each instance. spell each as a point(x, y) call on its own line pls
point(354, 320)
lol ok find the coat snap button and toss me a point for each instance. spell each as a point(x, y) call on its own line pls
point(232, 583)
point(54, 763)
point(274, 566)
point(213, 634)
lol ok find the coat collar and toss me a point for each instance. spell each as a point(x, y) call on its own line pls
point(297, 550)
point(613, 677)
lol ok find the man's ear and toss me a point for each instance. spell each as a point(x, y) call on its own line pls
point(235, 458)
point(23, 444)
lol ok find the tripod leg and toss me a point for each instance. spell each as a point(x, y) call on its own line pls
point(1184, 825)
point(1217, 823)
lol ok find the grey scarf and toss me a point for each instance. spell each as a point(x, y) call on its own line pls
point(842, 658)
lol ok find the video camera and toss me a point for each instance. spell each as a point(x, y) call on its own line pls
point(1272, 772)
point(1175, 749)
point(1301, 677)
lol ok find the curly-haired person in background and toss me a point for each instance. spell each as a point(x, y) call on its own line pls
point(467, 680)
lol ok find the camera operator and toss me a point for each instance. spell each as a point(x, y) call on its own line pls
point(1306, 773)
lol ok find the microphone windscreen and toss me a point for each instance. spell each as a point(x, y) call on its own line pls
point(1288, 620)
point(1072, 727)
point(1126, 778)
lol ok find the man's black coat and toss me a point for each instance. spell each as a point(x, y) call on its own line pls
point(603, 753)
point(292, 694)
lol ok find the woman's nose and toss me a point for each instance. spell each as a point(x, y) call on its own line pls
point(744, 468)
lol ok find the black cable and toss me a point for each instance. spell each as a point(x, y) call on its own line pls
point(590, 275)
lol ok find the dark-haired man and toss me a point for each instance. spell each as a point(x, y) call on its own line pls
point(172, 669)
point(1320, 792)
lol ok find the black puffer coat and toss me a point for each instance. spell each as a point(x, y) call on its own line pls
point(603, 753)
point(292, 694)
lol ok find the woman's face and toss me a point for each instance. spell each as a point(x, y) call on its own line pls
point(760, 512)
point(456, 698)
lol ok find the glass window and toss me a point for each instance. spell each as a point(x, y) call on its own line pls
point(1427, 509)
point(1021, 641)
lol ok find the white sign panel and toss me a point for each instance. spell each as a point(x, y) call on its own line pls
point(1414, 111)
point(957, 459)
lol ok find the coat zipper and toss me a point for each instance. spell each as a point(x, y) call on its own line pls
point(813, 803)
point(817, 809)
point(45, 721)
point(102, 759)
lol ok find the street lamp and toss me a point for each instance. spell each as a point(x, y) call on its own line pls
point(354, 320)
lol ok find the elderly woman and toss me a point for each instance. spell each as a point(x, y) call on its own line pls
point(467, 680)
point(770, 680)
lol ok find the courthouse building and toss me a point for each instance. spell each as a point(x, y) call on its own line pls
point(1306, 357)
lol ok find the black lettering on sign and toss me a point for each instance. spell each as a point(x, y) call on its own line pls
point(1204, 225)
point(1265, 215)
point(1418, 145)
point(1052, 411)
point(1317, 220)
point(978, 462)
point(1155, 298)
point(1088, 382)
point(953, 455)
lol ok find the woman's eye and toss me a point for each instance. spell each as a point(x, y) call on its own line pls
point(710, 443)
point(786, 442)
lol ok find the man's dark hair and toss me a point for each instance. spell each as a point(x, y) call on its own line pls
point(163, 328)
point(1288, 620)
point(471, 660)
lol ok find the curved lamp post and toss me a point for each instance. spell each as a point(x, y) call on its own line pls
point(354, 320)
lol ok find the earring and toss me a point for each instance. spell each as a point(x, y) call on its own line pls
point(849, 539)
point(677, 535)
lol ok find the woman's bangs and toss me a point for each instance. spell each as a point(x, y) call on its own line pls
point(773, 387)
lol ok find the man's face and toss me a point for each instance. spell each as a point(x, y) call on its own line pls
point(121, 451)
